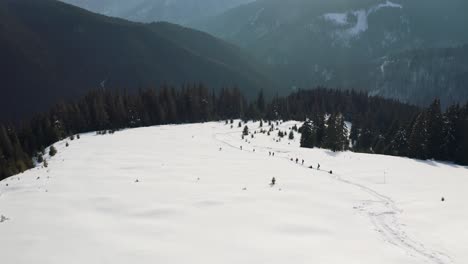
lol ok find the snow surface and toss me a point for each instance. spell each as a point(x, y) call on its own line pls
point(337, 18)
point(189, 194)
point(361, 25)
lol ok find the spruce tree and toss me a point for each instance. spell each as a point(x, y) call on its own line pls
point(335, 133)
point(291, 135)
point(435, 129)
point(417, 142)
point(451, 131)
point(5, 142)
point(52, 151)
point(245, 132)
point(307, 135)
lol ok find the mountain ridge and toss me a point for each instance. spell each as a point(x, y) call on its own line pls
point(54, 51)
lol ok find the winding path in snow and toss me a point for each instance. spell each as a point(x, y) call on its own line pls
point(382, 210)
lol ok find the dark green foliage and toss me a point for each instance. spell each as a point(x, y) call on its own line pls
point(379, 125)
point(418, 138)
point(245, 132)
point(52, 151)
point(291, 135)
point(280, 134)
point(308, 135)
point(335, 133)
point(435, 131)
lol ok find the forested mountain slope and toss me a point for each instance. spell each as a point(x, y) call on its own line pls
point(52, 50)
point(337, 42)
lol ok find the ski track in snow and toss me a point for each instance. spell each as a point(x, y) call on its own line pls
point(382, 210)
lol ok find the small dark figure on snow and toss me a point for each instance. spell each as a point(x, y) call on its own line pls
point(273, 154)
point(443, 199)
point(273, 181)
point(297, 160)
point(302, 162)
point(240, 147)
point(311, 167)
point(331, 172)
point(318, 166)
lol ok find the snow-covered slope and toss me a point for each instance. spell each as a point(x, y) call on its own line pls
point(189, 194)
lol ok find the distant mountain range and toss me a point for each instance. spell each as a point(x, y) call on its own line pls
point(343, 44)
point(51, 50)
point(175, 11)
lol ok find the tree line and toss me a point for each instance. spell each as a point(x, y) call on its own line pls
point(378, 125)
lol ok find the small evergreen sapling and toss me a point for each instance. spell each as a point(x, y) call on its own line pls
point(52, 151)
point(246, 131)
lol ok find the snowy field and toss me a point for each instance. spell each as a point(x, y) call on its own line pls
point(189, 194)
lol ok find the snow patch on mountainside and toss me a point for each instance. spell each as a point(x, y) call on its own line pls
point(254, 19)
point(337, 18)
point(361, 20)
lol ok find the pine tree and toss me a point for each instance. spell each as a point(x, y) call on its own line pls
point(308, 139)
point(417, 142)
point(336, 133)
point(291, 135)
point(434, 128)
point(398, 145)
point(319, 128)
point(261, 102)
point(5, 142)
point(52, 151)
point(451, 131)
point(245, 132)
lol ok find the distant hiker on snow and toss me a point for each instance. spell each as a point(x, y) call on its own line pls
point(302, 162)
point(297, 160)
point(318, 166)
point(273, 181)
